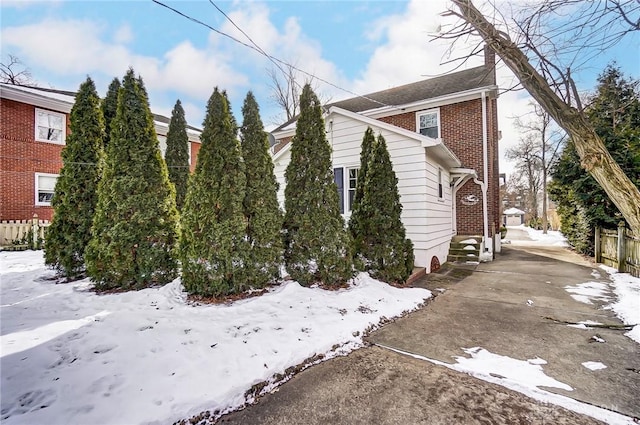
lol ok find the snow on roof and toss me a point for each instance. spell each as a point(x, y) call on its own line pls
point(61, 95)
point(513, 211)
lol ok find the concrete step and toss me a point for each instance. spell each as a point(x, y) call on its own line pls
point(460, 238)
point(462, 258)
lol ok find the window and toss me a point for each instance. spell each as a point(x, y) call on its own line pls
point(346, 179)
point(440, 191)
point(353, 181)
point(429, 124)
point(45, 184)
point(50, 126)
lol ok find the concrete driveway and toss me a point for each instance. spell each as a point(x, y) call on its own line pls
point(504, 307)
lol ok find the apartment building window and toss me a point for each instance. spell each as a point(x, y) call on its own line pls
point(45, 185)
point(440, 188)
point(428, 123)
point(50, 126)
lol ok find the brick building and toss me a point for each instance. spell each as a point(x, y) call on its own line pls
point(442, 135)
point(34, 123)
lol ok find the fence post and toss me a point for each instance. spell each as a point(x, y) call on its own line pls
point(596, 248)
point(34, 231)
point(621, 254)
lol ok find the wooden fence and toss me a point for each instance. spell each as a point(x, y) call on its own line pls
point(619, 249)
point(23, 233)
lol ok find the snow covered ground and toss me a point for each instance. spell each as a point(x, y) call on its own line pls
point(538, 238)
point(70, 356)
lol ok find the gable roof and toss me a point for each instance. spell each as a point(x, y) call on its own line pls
point(433, 146)
point(455, 82)
point(513, 211)
point(444, 85)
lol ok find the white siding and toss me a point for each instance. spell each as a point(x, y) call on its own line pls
point(279, 167)
point(427, 219)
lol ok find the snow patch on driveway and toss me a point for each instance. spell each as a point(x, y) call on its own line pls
point(523, 381)
point(589, 291)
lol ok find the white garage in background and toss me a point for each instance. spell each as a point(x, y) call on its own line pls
point(513, 217)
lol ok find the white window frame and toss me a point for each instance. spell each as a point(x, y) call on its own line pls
point(37, 188)
point(63, 130)
point(429, 112)
point(345, 186)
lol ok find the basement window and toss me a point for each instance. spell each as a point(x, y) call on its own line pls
point(50, 126)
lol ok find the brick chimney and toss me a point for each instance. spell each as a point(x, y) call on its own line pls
point(490, 60)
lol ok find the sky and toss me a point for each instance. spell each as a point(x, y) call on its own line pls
point(357, 46)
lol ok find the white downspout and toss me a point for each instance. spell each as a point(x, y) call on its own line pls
point(485, 169)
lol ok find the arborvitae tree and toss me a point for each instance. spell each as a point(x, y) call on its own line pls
point(384, 249)
point(317, 246)
point(177, 155)
point(355, 222)
point(261, 209)
point(213, 227)
point(134, 227)
point(75, 197)
point(109, 108)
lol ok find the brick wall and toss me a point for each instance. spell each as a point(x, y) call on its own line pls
point(20, 158)
point(195, 148)
point(461, 130)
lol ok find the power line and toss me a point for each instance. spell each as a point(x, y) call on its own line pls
point(268, 56)
point(252, 42)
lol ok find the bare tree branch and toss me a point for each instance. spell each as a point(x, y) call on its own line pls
point(11, 73)
point(594, 156)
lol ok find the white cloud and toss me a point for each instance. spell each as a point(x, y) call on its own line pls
point(288, 43)
point(408, 52)
point(184, 68)
point(123, 35)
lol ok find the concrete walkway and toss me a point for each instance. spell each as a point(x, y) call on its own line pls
point(502, 307)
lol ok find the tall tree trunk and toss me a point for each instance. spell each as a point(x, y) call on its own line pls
point(594, 157)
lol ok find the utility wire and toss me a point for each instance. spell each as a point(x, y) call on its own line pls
point(253, 42)
point(268, 56)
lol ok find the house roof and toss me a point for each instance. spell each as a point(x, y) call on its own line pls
point(434, 146)
point(513, 211)
point(449, 84)
point(421, 90)
point(63, 100)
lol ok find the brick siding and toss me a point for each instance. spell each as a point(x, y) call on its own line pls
point(461, 130)
point(21, 156)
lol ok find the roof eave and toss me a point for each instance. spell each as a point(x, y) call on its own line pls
point(35, 99)
point(433, 102)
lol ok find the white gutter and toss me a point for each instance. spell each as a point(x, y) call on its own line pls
point(485, 169)
point(40, 100)
point(433, 102)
